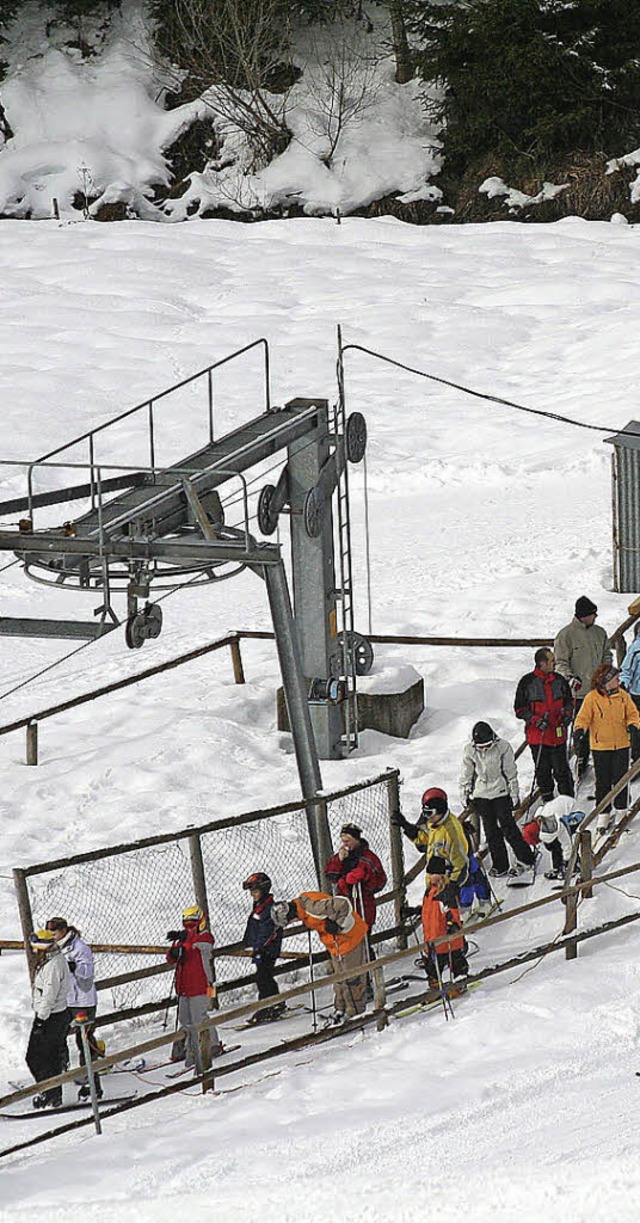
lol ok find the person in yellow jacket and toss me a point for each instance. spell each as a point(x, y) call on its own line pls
point(439, 832)
point(605, 715)
point(343, 932)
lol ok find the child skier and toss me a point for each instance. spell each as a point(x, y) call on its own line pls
point(477, 886)
point(264, 939)
point(47, 1042)
point(555, 824)
point(192, 953)
point(440, 916)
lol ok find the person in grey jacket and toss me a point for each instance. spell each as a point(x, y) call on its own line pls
point(83, 997)
point(579, 648)
point(47, 1041)
point(489, 779)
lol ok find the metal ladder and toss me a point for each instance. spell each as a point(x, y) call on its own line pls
point(344, 592)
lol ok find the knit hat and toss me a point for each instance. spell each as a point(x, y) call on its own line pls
point(585, 607)
point(42, 940)
point(352, 830)
point(483, 734)
point(436, 865)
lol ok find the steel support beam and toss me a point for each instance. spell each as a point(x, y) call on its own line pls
point(298, 709)
point(77, 630)
point(28, 546)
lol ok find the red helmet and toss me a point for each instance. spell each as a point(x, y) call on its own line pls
point(435, 806)
point(257, 880)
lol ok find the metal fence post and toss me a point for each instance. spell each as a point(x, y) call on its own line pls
point(26, 916)
point(32, 743)
point(200, 889)
point(396, 852)
point(236, 659)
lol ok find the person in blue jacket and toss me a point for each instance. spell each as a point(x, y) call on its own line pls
point(630, 679)
point(264, 939)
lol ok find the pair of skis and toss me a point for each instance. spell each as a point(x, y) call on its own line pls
point(35, 1114)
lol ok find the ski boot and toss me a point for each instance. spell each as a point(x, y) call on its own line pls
point(48, 1099)
point(85, 1092)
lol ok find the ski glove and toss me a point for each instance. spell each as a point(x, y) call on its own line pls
point(38, 1024)
point(176, 936)
point(332, 876)
point(541, 721)
point(176, 954)
point(332, 926)
point(578, 736)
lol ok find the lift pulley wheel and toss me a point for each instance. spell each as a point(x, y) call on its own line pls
point(267, 520)
point(356, 437)
point(314, 507)
point(360, 650)
point(143, 625)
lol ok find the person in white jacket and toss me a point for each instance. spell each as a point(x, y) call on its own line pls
point(489, 779)
point(46, 1050)
point(83, 997)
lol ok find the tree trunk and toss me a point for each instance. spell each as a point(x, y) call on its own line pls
point(402, 51)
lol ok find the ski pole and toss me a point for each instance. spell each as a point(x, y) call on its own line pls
point(312, 980)
point(447, 1005)
point(81, 1023)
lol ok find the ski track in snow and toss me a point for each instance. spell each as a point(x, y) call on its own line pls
point(483, 521)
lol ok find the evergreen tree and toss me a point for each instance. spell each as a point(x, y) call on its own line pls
point(533, 77)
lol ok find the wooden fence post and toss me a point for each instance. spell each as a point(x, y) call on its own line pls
point(396, 854)
point(586, 861)
point(236, 659)
point(32, 743)
point(571, 924)
point(200, 890)
point(26, 916)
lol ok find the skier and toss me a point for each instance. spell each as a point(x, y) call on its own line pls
point(192, 953)
point(555, 824)
point(580, 647)
point(343, 932)
point(477, 888)
point(630, 681)
point(83, 997)
point(264, 939)
point(439, 832)
point(489, 780)
point(544, 702)
point(47, 1042)
point(606, 715)
point(440, 916)
point(357, 872)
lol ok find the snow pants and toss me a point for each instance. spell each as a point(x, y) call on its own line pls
point(191, 1011)
point(46, 1050)
point(550, 763)
point(609, 767)
point(265, 980)
point(350, 996)
point(499, 826)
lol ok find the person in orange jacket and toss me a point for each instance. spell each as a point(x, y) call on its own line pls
point(343, 932)
point(605, 715)
point(440, 916)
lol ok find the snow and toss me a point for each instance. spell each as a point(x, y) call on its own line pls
point(90, 132)
point(483, 521)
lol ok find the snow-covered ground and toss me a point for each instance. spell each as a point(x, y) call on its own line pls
point(483, 521)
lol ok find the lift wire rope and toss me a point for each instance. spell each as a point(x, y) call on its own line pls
point(506, 403)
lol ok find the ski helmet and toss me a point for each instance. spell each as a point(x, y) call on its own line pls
point(483, 735)
point(194, 916)
point(42, 940)
point(257, 880)
point(435, 806)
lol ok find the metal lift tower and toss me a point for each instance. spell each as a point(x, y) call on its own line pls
point(155, 526)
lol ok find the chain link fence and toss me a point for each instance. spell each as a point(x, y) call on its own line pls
point(131, 895)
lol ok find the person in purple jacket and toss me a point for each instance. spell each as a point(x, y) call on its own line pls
point(83, 996)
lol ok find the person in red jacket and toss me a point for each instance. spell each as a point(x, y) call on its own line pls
point(545, 704)
point(357, 872)
point(191, 951)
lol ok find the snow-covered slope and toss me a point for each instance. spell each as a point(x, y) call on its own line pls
point(483, 521)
